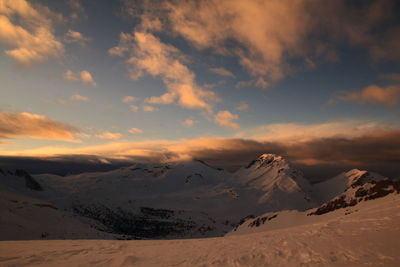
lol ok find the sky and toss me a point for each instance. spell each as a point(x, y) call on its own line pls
point(315, 81)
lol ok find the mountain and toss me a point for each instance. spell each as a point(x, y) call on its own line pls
point(278, 185)
point(341, 195)
point(361, 186)
point(325, 191)
point(176, 199)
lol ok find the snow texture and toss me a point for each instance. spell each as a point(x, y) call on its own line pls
point(366, 235)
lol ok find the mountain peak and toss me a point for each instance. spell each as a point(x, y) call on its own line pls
point(358, 177)
point(266, 159)
point(355, 172)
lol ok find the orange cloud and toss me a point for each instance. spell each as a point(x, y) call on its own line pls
point(84, 76)
point(267, 31)
point(268, 36)
point(332, 153)
point(389, 95)
point(290, 133)
point(149, 54)
point(149, 108)
point(76, 37)
point(227, 119)
point(109, 135)
point(135, 130)
point(189, 122)
point(133, 108)
point(128, 99)
point(28, 30)
point(79, 98)
point(24, 124)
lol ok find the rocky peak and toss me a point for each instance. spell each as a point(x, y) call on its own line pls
point(358, 177)
point(266, 160)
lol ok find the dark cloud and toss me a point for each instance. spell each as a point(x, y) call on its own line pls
point(63, 165)
point(319, 159)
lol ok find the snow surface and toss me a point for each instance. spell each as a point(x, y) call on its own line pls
point(367, 236)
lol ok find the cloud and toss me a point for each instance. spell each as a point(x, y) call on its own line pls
point(263, 46)
point(149, 108)
point(24, 125)
point(276, 38)
point(87, 78)
point(227, 119)
point(78, 11)
point(70, 76)
point(147, 54)
point(243, 106)
point(133, 108)
point(296, 132)
point(79, 98)
point(76, 37)
point(84, 76)
point(223, 72)
point(109, 135)
point(28, 30)
point(388, 95)
point(128, 99)
point(135, 130)
point(355, 145)
point(189, 122)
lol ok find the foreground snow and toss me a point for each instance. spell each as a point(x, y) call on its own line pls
point(367, 235)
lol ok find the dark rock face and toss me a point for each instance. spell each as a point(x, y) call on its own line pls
point(29, 181)
point(243, 220)
point(261, 220)
point(366, 191)
point(361, 180)
point(383, 188)
point(335, 204)
point(162, 213)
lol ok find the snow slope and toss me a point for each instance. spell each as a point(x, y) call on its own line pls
point(278, 186)
point(367, 236)
point(24, 216)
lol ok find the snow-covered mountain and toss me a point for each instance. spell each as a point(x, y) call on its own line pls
point(339, 195)
point(335, 186)
point(278, 186)
point(176, 199)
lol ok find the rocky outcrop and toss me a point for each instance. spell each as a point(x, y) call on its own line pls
point(360, 190)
